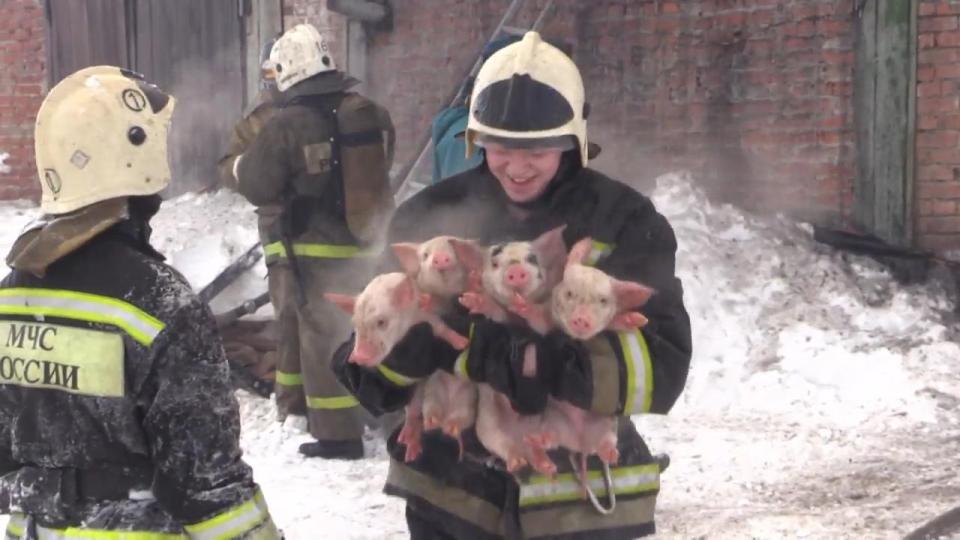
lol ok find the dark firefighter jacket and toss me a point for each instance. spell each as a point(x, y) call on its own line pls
point(320, 158)
point(629, 373)
point(116, 410)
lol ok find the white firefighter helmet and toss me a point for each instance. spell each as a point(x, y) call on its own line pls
point(300, 53)
point(101, 133)
point(529, 94)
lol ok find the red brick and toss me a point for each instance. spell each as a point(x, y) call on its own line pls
point(938, 57)
point(669, 8)
point(948, 39)
point(938, 190)
point(937, 105)
point(927, 8)
point(929, 89)
point(927, 41)
point(949, 7)
point(951, 71)
point(944, 208)
point(926, 73)
point(940, 173)
point(945, 121)
point(937, 24)
point(939, 224)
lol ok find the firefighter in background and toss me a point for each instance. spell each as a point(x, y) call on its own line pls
point(117, 418)
point(529, 114)
point(323, 159)
point(245, 131)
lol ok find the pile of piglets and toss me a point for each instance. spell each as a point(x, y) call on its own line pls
point(533, 283)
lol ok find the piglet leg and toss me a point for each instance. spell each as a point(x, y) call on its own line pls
point(412, 430)
point(630, 320)
point(479, 303)
point(537, 316)
point(444, 332)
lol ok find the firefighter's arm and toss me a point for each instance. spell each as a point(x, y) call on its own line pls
point(263, 170)
point(192, 422)
point(641, 371)
point(365, 161)
point(242, 135)
point(389, 386)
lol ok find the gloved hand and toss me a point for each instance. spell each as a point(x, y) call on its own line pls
point(564, 366)
point(496, 357)
point(420, 353)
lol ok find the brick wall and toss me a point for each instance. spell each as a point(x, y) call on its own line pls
point(755, 96)
point(22, 86)
point(938, 124)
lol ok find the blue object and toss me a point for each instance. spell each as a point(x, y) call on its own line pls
point(449, 148)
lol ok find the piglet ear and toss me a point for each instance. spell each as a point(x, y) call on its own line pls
point(580, 251)
point(550, 246)
point(630, 294)
point(468, 253)
point(403, 294)
point(345, 302)
point(406, 253)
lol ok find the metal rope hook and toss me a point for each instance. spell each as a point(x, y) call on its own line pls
point(608, 483)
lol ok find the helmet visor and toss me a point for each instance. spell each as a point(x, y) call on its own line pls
point(522, 104)
point(559, 142)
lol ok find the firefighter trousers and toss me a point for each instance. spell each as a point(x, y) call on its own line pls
point(307, 337)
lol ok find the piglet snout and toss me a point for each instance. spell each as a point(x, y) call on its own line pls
point(443, 261)
point(517, 276)
point(363, 353)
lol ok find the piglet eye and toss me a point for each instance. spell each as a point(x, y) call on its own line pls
point(425, 255)
point(495, 265)
point(569, 294)
point(381, 323)
point(532, 259)
point(603, 301)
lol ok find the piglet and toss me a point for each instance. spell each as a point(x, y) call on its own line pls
point(586, 302)
point(382, 314)
point(504, 432)
point(449, 402)
point(529, 269)
point(435, 265)
point(525, 268)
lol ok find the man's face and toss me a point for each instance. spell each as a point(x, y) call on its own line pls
point(524, 174)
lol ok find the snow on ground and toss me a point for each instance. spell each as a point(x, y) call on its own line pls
point(821, 400)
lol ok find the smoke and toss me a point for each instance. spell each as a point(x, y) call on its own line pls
point(210, 95)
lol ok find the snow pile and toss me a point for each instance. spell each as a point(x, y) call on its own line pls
point(777, 317)
point(821, 399)
point(4, 168)
point(203, 233)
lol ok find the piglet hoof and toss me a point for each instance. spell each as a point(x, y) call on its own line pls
point(630, 319)
point(457, 341)
point(474, 302)
point(520, 305)
point(474, 281)
point(608, 453)
point(542, 463)
point(409, 436)
point(413, 452)
point(515, 463)
point(540, 441)
point(426, 303)
point(431, 422)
